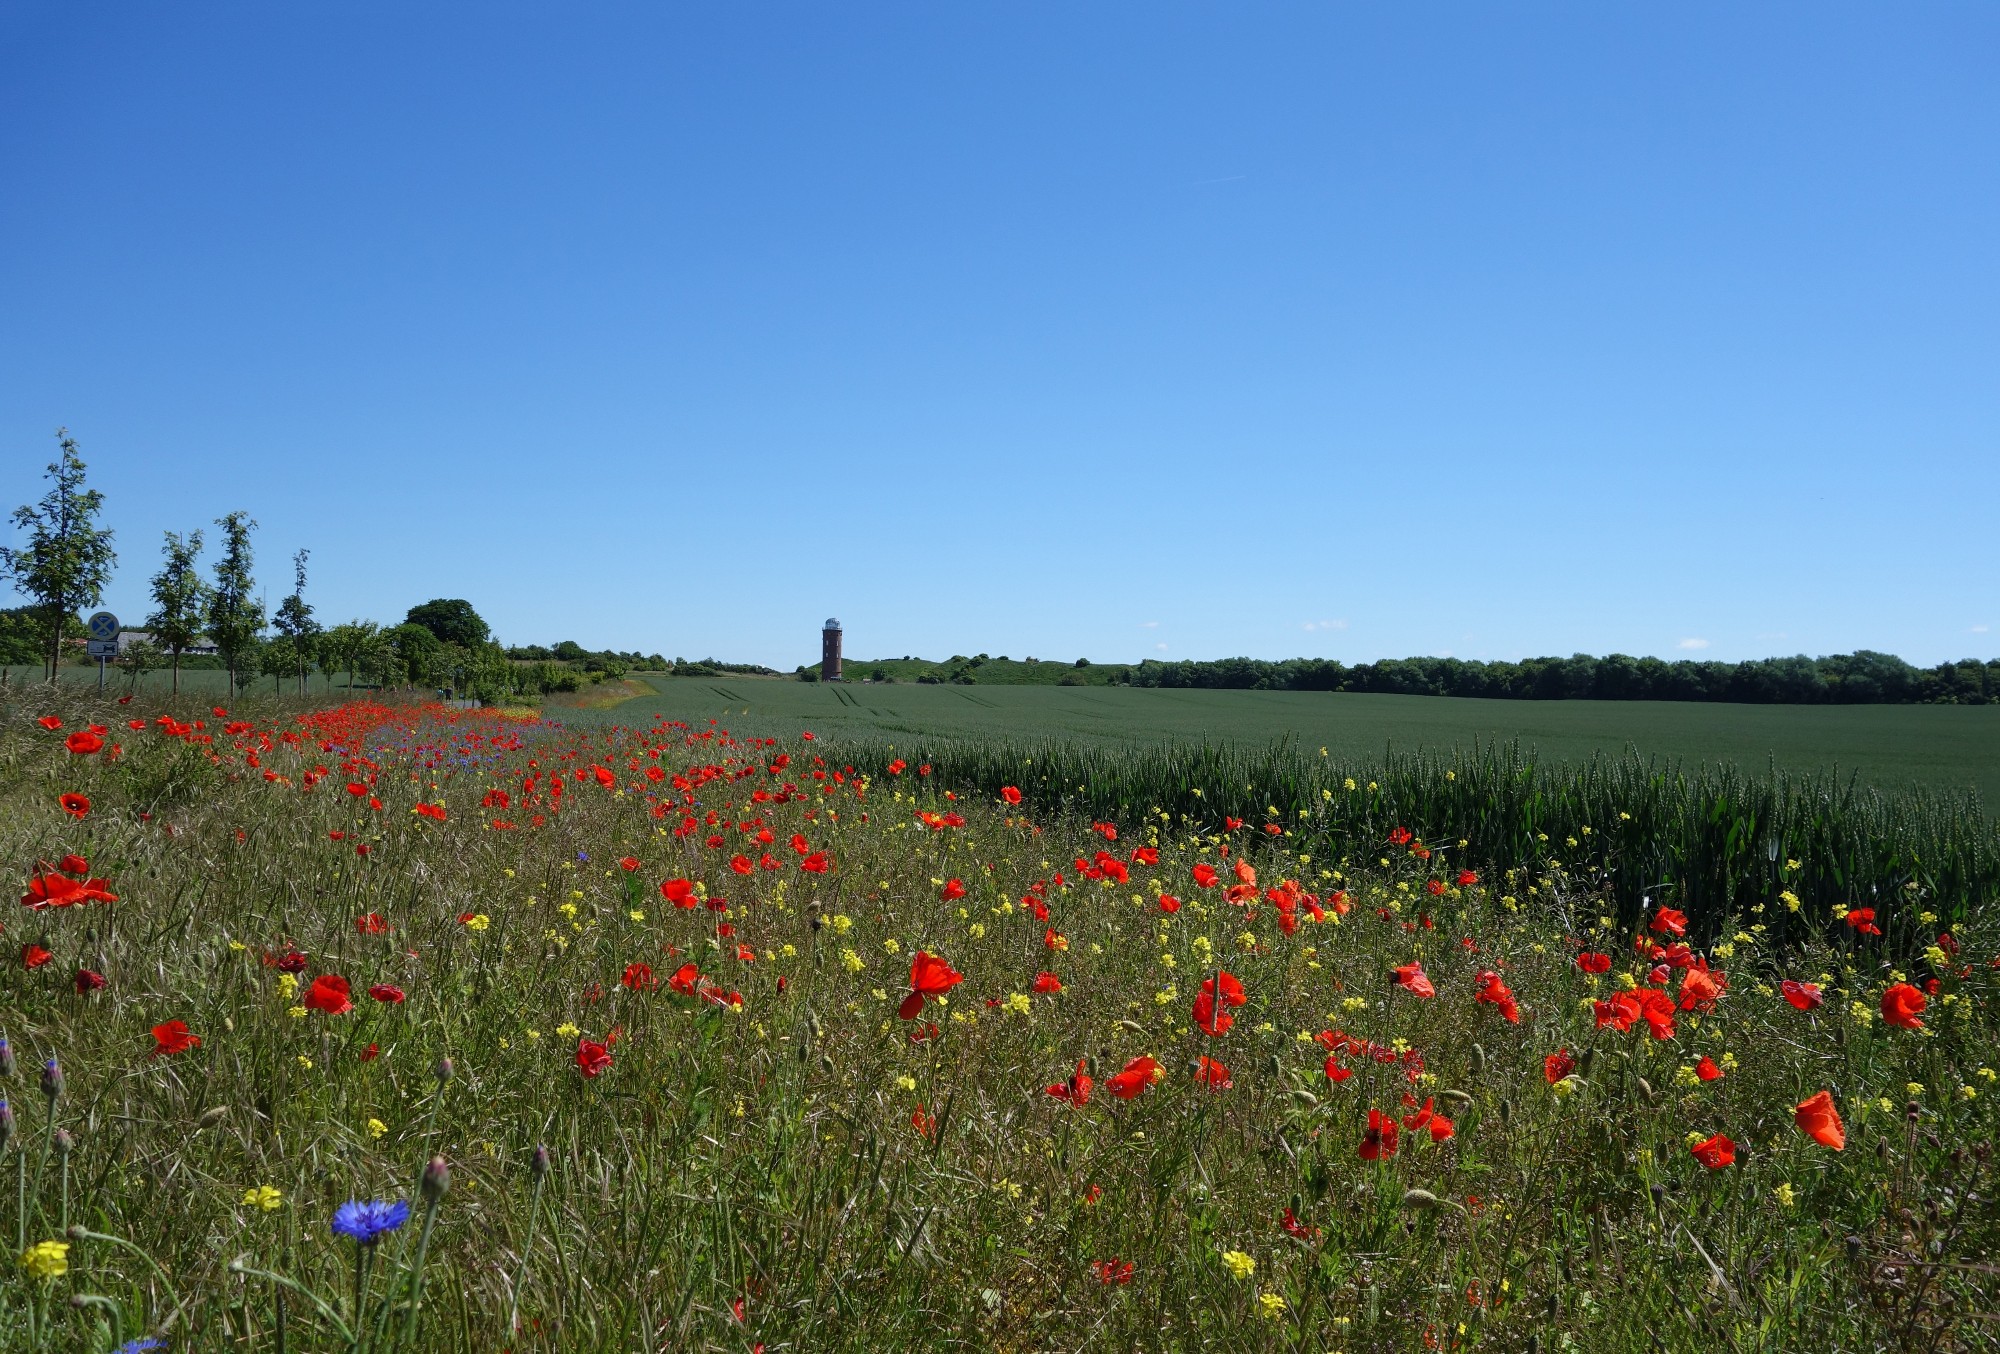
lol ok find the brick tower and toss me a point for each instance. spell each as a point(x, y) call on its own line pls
point(829, 651)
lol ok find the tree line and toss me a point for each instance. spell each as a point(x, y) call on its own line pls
point(1861, 678)
point(67, 559)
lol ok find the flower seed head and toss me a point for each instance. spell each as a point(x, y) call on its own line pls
point(436, 1182)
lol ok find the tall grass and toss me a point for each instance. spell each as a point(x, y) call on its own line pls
point(1712, 841)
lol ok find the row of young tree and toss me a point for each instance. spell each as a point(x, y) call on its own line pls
point(67, 560)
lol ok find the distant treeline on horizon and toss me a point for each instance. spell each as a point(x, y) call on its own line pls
point(1861, 678)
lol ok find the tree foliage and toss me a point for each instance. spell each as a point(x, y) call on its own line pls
point(452, 620)
point(235, 616)
point(68, 557)
point(180, 600)
point(294, 620)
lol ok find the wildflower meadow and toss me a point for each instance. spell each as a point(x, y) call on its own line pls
point(368, 1027)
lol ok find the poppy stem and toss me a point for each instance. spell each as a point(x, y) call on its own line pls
point(527, 1247)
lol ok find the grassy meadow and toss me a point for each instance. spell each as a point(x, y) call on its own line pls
point(733, 1043)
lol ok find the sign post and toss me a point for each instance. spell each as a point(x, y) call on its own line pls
point(103, 642)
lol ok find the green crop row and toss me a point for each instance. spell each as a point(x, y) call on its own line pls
point(1716, 842)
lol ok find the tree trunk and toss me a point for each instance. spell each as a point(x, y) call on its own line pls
point(177, 672)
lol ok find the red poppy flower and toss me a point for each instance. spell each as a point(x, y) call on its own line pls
point(1169, 903)
point(83, 742)
point(1494, 992)
point(1137, 1075)
point(592, 1058)
point(680, 893)
point(73, 864)
point(88, 981)
point(685, 979)
point(1862, 919)
point(371, 1053)
point(1820, 1121)
point(741, 864)
point(371, 925)
point(1075, 1091)
point(49, 722)
point(75, 805)
point(1557, 1066)
point(816, 863)
point(1716, 1153)
point(1902, 1004)
point(387, 992)
point(1204, 875)
point(1805, 996)
point(1212, 1074)
point(1047, 982)
point(930, 976)
point(1668, 920)
point(1428, 1119)
point(1466, 879)
point(356, 788)
point(172, 1038)
point(329, 993)
point(1707, 1070)
point(1112, 1271)
point(1700, 988)
point(34, 956)
point(1411, 978)
point(1010, 794)
point(1335, 1070)
point(954, 889)
point(628, 863)
point(1380, 1139)
point(1213, 1019)
point(1593, 963)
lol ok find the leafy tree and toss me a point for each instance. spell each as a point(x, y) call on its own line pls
point(451, 619)
point(180, 600)
point(353, 647)
point(295, 620)
point(424, 657)
point(138, 658)
point(281, 658)
point(234, 616)
point(68, 557)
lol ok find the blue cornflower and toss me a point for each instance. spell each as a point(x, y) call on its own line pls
point(368, 1222)
point(140, 1346)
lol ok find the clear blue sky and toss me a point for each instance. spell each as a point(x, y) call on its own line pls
point(1115, 330)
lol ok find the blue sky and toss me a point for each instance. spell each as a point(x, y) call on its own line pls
point(1108, 330)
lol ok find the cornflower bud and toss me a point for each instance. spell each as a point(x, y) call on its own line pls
point(52, 1082)
point(6, 1124)
point(64, 1142)
point(6, 1059)
point(436, 1181)
point(539, 1162)
point(444, 1070)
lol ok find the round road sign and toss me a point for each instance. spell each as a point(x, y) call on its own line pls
point(103, 625)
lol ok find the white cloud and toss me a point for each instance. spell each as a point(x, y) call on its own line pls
point(1324, 625)
point(1161, 647)
point(1693, 644)
point(1149, 625)
point(1979, 629)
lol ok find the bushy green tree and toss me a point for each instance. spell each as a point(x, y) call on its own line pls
point(452, 620)
point(180, 600)
point(235, 616)
point(295, 620)
point(68, 557)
